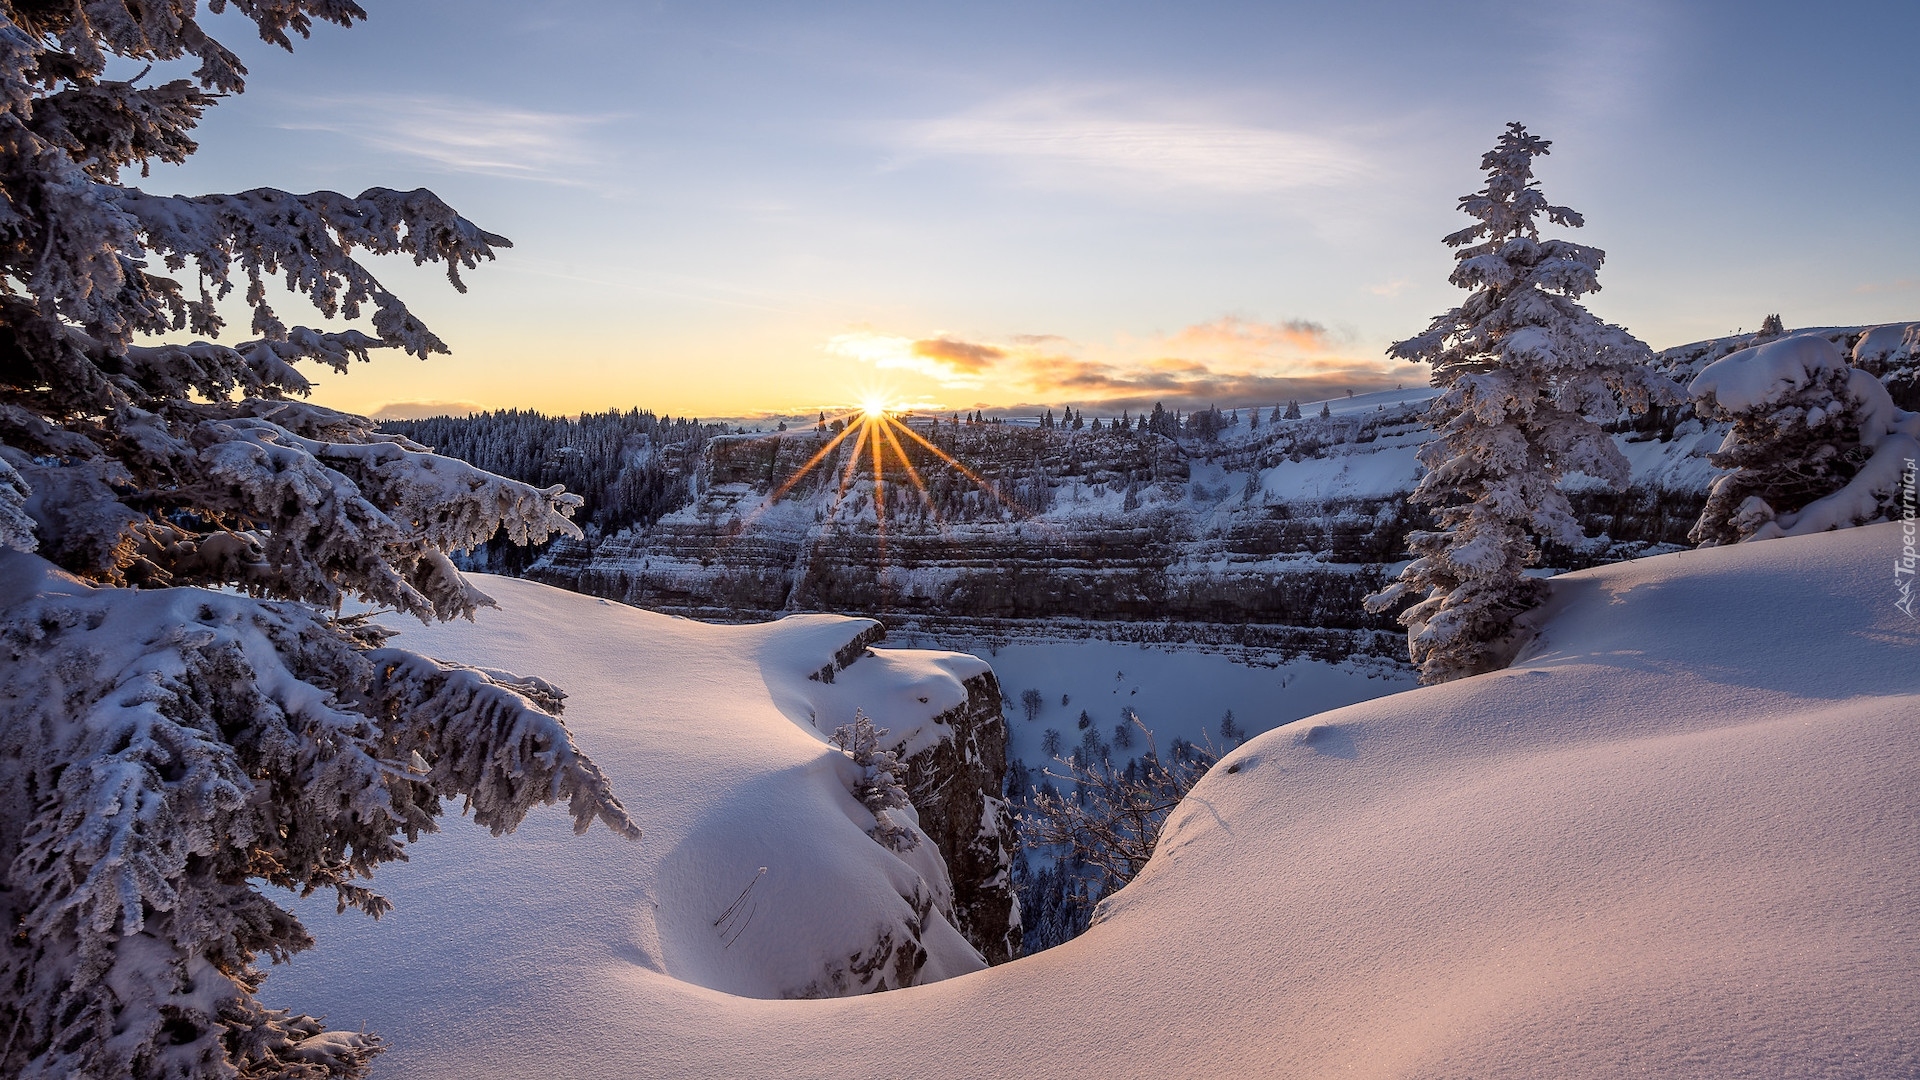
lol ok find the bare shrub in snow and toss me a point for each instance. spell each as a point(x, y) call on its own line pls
point(1816, 443)
point(1111, 821)
point(1032, 702)
point(166, 747)
point(1522, 368)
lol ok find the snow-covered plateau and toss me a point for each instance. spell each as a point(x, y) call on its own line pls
point(1676, 838)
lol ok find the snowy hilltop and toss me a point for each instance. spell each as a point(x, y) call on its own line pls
point(1675, 837)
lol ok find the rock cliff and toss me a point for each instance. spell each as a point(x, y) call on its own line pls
point(1268, 535)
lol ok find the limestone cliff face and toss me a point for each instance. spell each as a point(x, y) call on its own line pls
point(1268, 536)
point(955, 786)
point(955, 783)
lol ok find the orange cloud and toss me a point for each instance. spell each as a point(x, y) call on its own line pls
point(1243, 336)
point(1230, 362)
point(959, 355)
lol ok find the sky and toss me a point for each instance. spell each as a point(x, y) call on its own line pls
point(749, 210)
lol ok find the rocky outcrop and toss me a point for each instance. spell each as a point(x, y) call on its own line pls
point(955, 783)
point(955, 786)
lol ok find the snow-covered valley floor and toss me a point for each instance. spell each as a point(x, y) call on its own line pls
point(1679, 838)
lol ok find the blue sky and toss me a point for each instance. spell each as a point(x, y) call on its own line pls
point(740, 209)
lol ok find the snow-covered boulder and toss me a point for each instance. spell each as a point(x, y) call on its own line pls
point(1814, 444)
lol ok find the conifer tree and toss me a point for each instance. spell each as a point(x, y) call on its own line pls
point(1522, 367)
point(169, 750)
point(1293, 410)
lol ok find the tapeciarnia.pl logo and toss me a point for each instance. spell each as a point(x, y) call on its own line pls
point(1904, 566)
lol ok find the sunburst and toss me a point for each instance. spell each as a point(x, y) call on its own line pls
point(880, 437)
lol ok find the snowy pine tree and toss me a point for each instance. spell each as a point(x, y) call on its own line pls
point(1521, 366)
point(877, 783)
point(167, 748)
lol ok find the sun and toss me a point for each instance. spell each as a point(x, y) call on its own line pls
point(873, 408)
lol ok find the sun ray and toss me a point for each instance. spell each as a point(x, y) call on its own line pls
point(879, 484)
point(978, 481)
point(853, 462)
point(803, 470)
point(913, 474)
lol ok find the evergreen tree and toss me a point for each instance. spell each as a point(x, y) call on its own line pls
point(879, 783)
point(189, 721)
point(1293, 410)
point(1326, 411)
point(1521, 366)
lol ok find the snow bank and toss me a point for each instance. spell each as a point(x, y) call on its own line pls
point(1677, 839)
point(1752, 378)
point(716, 737)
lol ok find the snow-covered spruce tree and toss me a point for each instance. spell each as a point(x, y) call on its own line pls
point(1521, 367)
point(1816, 443)
point(877, 782)
point(166, 747)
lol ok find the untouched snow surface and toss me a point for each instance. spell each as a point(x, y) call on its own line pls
point(716, 739)
point(1680, 838)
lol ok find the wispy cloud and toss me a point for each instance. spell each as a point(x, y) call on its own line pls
point(1230, 362)
point(1897, 285)
point(465, 135)
point(1074, 139)
point(415, 410)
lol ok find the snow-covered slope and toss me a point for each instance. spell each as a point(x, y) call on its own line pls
point(718, 735)
point(1679, 838)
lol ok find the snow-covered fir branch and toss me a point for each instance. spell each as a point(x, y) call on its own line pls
point(169, 750)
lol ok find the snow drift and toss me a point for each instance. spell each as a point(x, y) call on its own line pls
point(1677, 838)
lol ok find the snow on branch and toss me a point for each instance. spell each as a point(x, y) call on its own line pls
point(167, 749)
point(179, 744)
point(309, 241)
point(482, 738)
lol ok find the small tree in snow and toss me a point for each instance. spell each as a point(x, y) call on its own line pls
point(1521, 366)
point(877, 785)
point(1032, 702)
point(1816, 444)
point(168, 748)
